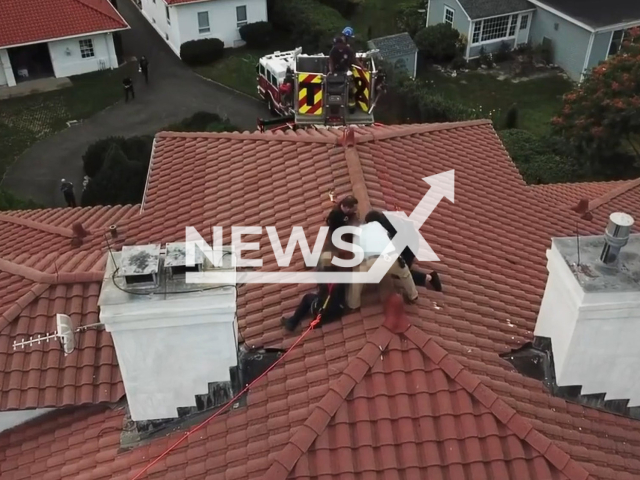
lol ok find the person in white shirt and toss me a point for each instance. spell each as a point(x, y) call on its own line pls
point(375, 242)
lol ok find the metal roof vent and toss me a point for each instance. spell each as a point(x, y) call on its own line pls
point(175, 260)
point(139, 265)
point(616, 236)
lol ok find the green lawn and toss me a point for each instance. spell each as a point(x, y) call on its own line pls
point(236, 70)
point(25, 120)
point(538, 100)
point(378, 15)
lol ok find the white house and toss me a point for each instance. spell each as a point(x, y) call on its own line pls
point(57, 38)
point(179, 21)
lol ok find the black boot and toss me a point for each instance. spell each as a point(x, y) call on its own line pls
point(435, 282)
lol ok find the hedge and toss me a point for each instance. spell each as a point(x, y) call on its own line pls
point(312, 25)
point(135, 148)
point(257, 34)
point(8, 201)
point(408, 17)
point(439, 43)
point(344, 7)
point(537, 158)
point(201, 52)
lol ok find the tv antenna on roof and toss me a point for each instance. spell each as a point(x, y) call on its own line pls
point(65, 333)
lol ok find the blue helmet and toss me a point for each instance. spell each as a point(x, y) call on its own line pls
point(347, 32)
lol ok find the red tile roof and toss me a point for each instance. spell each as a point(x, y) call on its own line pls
point(41, 274)
point(443, 373)
point(30, 21)
point(572, 193)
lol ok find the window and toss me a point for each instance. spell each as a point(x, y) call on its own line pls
point(494, 28)
point(86, 48)
point(241, 15)
point(512, 27)
point(168, 16)
point(203, 22)
point(448, 15)
point(261, 71)
point(524, 22)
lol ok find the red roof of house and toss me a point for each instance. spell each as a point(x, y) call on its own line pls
point(372, 396)
point(30, 21)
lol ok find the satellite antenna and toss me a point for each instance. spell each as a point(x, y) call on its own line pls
point(65, 334)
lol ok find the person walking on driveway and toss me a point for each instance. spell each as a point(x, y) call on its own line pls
point(67, 190)
point(143, 68)
point(127, 83)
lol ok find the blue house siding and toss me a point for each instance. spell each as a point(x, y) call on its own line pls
point(600, 49)
point(492, 47)
point(436, 15)
point(569, 41)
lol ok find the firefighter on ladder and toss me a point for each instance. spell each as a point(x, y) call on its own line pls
point(342, 59)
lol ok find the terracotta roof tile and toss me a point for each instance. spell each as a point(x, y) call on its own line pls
point(440, 403)
point(30, 21)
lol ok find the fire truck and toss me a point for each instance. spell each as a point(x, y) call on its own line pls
point(318, 98)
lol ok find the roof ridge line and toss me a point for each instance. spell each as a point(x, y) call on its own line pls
point(99, 11)
point(247, 135)
point(610, 195)
point(20, 304)
point(356, 174)
point(59, 278)
point(44, 227)
point(307, 433)
point(516, 423)
point(417, 129)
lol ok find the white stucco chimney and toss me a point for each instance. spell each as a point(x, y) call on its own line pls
point(172, 338)
point(591, 311)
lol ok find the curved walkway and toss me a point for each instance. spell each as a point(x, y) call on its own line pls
point(174, 93)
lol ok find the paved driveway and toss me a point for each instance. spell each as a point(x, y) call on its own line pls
point(173, 94)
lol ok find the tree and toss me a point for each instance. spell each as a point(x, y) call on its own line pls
point(602, 115)
point(439, 43)
point(120, 181)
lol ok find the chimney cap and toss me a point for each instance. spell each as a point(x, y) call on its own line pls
point(621, 219)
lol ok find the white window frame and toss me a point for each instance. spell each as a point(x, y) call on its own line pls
point(448, 9)
point(524, 18)
point(241, 23)
point(86, 48)
point(202, 30)
point(166, 7)
point(512, 17)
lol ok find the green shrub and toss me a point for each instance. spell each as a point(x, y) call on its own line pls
point(344, 7)
point(257, 35)
point(120, 181)
point(439, 43)
point(201, 52)
point(8, 201)
point(93, 157)
point(458, 63)
point(537, 159)
point(511, 119)
point(408, 17)
point(503, 54)
point(202, 122)
point(312, 25)
point(485, 58)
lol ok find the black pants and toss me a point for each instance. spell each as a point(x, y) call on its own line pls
point(419, 278)
point(127, 91)
point(302, 310)
point(145, 72)
point(70, 199)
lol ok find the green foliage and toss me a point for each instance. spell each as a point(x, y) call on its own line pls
point(8, 201)
point(408, 17)
point(538, 158)
point(312, 25)
point(257, 35)
point(202, 122)
point(120, 181)
point(485, 58)
point(503, 54)
point(458, 63)
point(344, 7)
point(202, 52)
point(439, 43)
point(119, 165)
point(511, 120)
point(602, 115)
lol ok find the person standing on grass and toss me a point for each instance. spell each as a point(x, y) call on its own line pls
point(127, 83)
point(143, 68)
point(67, 190)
